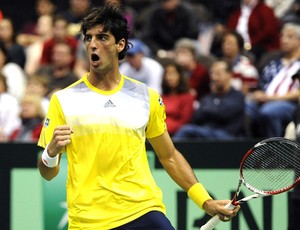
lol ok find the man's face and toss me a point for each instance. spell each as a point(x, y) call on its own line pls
point(6, 30)
point(250, 2)
point(289, 40)
point(135, 60)
point(170, 5)
point(80, 7)
point(219, 77)
point(102, 49)
point(60, 29)
point(184, 57)
point(230, 46)
point(62, 55)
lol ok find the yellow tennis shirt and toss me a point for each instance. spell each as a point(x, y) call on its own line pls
point(109, 182)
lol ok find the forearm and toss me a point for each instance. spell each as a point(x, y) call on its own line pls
point(50, 159)
point(179, 170)
point(48, 165)
point(46, 172)
point(293, 96)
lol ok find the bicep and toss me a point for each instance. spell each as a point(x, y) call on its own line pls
point(163, 146)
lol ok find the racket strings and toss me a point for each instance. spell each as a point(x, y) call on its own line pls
point(271, 168)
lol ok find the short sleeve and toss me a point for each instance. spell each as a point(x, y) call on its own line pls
point(53, 119)
point(156, 125)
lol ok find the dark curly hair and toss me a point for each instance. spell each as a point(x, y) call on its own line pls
point(112, 19)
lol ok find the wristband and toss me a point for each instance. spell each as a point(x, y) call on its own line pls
point(50, 162)
point(198, 194)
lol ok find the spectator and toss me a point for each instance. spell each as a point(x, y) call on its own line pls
point(39, 86)
point(35, 49)
point(271, 106)
point(221, 112)
point(220, 9)
point(32, 116)
point(75, 13)
point(210, 33)
point(30, 32)
point(186, 56)
point(15, 52)
point(9, 111)
point(245, 74)
point(177, 98)
point(293, 14)
point(15, 76)
point(60, 34)
point(280, 8)
point(168, 21)
point(141, 67)
point(82, 63)
point(59, 72)
point(257, 24)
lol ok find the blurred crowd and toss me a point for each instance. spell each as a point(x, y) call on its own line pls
point(225, 69)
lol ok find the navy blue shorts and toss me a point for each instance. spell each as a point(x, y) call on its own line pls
point(153, 220)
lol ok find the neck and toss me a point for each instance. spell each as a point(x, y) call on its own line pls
point(105, 82)
point(290, 57)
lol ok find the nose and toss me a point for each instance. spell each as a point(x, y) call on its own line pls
point(92, 44)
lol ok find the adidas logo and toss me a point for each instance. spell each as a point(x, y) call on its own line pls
point(109, 104)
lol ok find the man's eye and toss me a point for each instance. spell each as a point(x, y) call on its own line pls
point(87, 38)
point(102, 37)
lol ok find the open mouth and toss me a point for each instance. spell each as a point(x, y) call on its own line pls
point(95, 57)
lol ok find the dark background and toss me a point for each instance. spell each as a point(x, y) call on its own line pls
point(22, 11)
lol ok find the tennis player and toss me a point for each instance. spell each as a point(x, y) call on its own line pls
point(101, 122)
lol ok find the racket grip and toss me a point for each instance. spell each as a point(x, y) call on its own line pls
point(215, 220)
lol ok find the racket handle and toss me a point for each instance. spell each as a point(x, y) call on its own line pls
point(215, 220)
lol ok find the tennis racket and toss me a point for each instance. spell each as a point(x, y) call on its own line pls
point(271, 167)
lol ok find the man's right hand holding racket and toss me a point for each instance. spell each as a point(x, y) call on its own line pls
point(218, 208)
point(271, 167)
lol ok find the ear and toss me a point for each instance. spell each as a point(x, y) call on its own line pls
point(121, 45)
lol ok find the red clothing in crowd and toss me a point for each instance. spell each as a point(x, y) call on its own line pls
point(263, 26)
point(179, 110)
point(28, 135)
point(199, 80)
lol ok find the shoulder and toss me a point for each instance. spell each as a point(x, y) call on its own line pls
point(49, 42)
point(153, 92)
point(18, 49)
point(12, 69)
point(236, 93)
point(263, 8)
point(151, 62)
point(273, 64)
point(75, 87)
point(124, 66)
point(130, 80)
point(185, 7)
point(9, 99)
point(131, 84)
